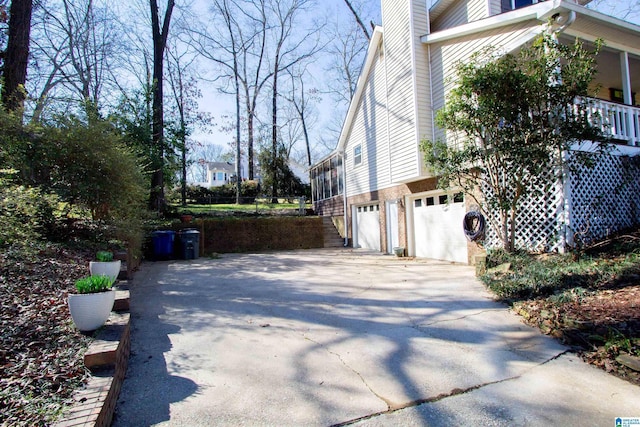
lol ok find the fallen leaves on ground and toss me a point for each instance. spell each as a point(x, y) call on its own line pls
point(599, 324)
point(41, 356)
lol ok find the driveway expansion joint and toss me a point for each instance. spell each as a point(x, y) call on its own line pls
point(453, 393)
point(453, 319)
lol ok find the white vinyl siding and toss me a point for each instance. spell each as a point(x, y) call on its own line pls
point(495, 7)
point(399, 70)
point(369, 129)
point(445, 56)
point(461, 12)
point(421, 83)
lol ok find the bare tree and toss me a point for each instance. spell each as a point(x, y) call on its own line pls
point(75, 50)
point(302, 102)
point(356, 16)
point(238, 47)
point(159, 36)
point(347, 52)
point(17, 54)
point(184, 93)
point(627, 10)
point(291, 48)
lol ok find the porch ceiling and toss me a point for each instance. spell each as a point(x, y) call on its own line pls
point(617, 34)
point(609, 68)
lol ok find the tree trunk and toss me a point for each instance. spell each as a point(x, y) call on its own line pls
point(358, 20)
point(250, 153)
point(156, 199)
point(274, 134)
point(17, 55)
point(238, 151)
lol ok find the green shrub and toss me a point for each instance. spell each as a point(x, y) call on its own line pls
point(532, 276)
point(93, 284)
point(104, 256)
point(89, 166)
point(26, 213)
point(224, 194)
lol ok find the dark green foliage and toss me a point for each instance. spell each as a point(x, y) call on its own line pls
point(277, 171)
point(93, 284)
point(218, 195)
point(532, 276)
point(88, 165)
point(26, 213)
point(104, 256)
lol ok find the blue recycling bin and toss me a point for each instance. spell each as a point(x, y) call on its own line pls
point(163, 243)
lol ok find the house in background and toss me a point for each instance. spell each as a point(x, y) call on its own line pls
point(218, 174)
point(375, 184)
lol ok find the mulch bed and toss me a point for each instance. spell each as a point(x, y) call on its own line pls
point(600, 325)
point(41, 356)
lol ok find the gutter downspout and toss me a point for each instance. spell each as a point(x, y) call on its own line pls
point(561, 21)
point(344, 200)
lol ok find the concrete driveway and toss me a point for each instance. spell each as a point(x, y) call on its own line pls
point(341, 337)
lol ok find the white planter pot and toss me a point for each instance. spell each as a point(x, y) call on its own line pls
point(101, 268)
point(90, 311)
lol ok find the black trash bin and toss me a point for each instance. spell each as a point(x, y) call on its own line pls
point(189, 244)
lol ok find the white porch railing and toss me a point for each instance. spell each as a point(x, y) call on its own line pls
point(619, 121)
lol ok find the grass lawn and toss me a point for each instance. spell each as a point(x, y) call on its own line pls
point(260, 207)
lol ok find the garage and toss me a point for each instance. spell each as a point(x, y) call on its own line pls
point(366, 227)
point(437, 225)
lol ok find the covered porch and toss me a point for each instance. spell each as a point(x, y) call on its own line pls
point(617, 82)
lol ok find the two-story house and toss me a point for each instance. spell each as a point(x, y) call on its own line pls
point(375, 184)
point(219, 173)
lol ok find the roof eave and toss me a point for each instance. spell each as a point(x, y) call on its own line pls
point(360, 85)
point(540, 11)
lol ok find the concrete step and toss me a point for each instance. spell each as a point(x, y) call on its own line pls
point(110, 344)
point(332, 238)
point(122, 300)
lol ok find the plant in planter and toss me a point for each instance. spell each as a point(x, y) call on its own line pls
point(105, 265)
point(91, 306)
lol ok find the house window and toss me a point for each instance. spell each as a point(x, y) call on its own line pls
point(522, 3)
point(220, 176)
point(430, 201)
point(334, 176)
point(417, 203)
point(442, 200)
point(508, 5)
point(340, 176)
point(458, 198)
point(327, 180)
point(357, 154)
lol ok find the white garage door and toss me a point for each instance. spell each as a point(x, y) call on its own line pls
point(438, 228)
point(367, 227)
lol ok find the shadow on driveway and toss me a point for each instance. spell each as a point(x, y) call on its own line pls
point(329, 337)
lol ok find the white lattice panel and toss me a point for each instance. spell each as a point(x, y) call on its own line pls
point(594, 202)
point(539, 220)
point(604, 198)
